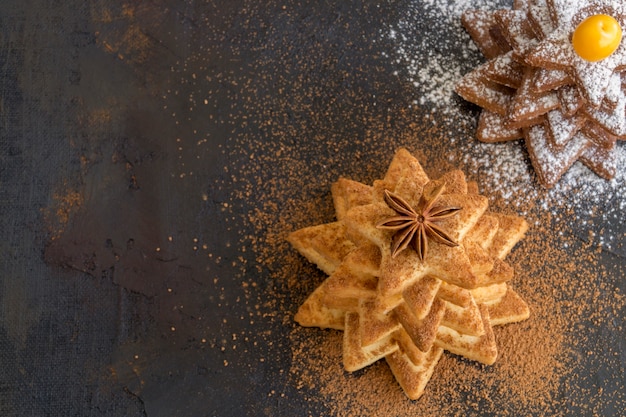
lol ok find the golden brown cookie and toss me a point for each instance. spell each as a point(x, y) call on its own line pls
point(416, 267)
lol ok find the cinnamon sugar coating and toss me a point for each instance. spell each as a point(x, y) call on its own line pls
point(402, 308)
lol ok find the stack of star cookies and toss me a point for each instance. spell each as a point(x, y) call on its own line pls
point(554, 77)
point(415, 267)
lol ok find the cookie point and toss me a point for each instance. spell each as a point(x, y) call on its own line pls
point(597, 37)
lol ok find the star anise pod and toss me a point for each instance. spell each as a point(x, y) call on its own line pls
point(414, 227)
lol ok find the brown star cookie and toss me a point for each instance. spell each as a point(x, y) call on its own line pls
point(536, 86)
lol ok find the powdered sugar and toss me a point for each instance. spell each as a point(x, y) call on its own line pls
point(433, 67)
point(426, 57)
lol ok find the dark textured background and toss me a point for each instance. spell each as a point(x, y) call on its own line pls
point(100, 166)
point(140, 143)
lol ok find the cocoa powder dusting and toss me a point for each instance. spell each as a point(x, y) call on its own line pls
point(559, 275)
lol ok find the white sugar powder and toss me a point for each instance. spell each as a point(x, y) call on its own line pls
point(433, 63)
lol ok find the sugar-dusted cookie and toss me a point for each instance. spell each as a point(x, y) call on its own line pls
point(557, 81)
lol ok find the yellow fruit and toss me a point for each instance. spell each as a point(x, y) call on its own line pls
point(597, 37)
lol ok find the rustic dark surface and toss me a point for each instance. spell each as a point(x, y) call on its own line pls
point(124, 290)
point(97, 133)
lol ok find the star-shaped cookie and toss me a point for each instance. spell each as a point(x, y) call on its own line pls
point(535, 85)
point(400, 306)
